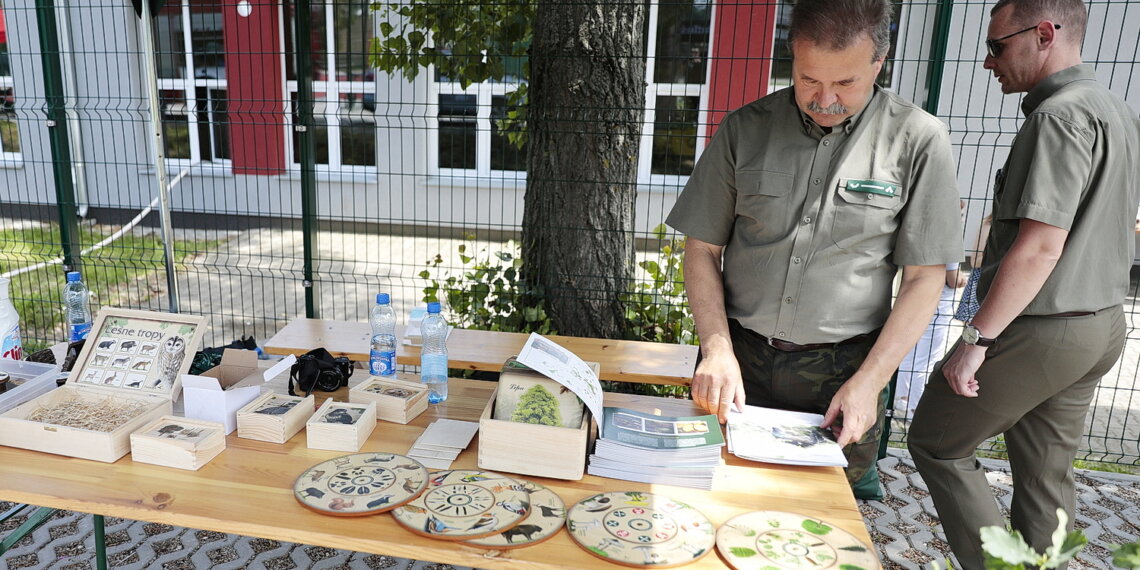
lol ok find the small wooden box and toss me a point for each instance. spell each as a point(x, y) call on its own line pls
point(131, 358)
point(178, 442)
point(273, 417)
point(531, 449)
point(398, 401)
point(341, 426)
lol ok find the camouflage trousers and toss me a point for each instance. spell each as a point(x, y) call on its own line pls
point(805, 382)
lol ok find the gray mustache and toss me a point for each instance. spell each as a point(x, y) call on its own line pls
point(835, 108)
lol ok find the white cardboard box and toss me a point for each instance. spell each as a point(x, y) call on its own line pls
point(218, 393)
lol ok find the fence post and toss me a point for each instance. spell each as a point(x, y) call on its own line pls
point(938, 55)
point(305, 150)
point(55, 107)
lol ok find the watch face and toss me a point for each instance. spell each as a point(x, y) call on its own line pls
point(970, 334)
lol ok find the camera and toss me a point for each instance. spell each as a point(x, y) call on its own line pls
point(318, 370)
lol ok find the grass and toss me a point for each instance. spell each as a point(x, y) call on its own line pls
point(9, 135)
point(113, 273)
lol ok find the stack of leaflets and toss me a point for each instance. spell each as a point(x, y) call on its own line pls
point(442, 442)
point(642, 447)
point(780, 436)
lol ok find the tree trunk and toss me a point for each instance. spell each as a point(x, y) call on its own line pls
point(585, 107)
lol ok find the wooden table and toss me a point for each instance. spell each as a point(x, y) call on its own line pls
point(247, 490)
point(621, 360)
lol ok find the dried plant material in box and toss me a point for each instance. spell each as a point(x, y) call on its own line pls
point(178, 442)
point(274, 417)
point(397, 400)
point(340, 426)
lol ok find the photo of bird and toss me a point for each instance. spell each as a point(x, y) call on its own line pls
point(485, 522)
point(435, 526)
point(169, 361)
point(516, 507)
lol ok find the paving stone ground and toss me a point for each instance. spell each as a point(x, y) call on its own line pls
point(903, 526)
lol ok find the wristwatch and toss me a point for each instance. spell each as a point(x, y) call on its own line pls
point(971, 335)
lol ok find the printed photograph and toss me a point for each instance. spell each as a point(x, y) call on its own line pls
point(628, 421)
point(342, 415)
point(659, 427)
point(276, 406)
point(187, 433)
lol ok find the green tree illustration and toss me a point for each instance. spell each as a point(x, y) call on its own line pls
point(537, 406)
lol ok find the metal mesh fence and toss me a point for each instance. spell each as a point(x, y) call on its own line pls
point(303, 179)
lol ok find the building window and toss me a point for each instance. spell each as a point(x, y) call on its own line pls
point(191, 63)
point(9, 129)
point(344, 85)
point(678, 46)
point(469, 138)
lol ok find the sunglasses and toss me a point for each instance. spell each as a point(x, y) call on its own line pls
point(995, 47)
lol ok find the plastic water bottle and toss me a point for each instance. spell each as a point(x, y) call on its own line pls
point(75, 308)
point(382, 357)
point(433, 355)
point(10, 345)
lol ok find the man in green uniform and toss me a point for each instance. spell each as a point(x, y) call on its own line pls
point(1052, 285)
point(798, 216)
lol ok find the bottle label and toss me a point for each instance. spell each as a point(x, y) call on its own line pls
point(381, 363)
point(79, 331)
point(10, 345)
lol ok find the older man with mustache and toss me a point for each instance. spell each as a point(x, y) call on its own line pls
point(799, 215)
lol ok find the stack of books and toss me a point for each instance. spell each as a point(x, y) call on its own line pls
point(636, 446)
point(781, 436)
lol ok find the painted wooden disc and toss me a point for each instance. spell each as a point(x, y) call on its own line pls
point(640, 529)
point(775, 539)
point(360, 484)
point(464, 503)
point(546, 518)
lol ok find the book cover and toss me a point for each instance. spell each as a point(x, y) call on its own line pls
point(647, 431)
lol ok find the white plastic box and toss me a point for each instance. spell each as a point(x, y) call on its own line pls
point(28, 380)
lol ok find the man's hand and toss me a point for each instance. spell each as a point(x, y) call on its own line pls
point(857, 402)
point(961, 367)
point(957, 278)
point(717, 386)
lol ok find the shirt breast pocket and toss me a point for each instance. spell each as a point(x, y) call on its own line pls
point(865, 210)
point(763, 202)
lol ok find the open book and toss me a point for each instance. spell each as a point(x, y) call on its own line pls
point(781, 436)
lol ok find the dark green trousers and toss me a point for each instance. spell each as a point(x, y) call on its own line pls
point(1035, 386)
point(805, 382)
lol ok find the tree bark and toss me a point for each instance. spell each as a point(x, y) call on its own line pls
point(585, 107)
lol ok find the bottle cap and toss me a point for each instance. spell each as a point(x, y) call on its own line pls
point(433, 307)
point(73, 276)
point(383, 299)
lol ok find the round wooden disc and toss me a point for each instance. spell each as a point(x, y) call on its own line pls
point(547, 515)
point(640, 529)
point(464, 503)
point(775, 539)
point(360, 484)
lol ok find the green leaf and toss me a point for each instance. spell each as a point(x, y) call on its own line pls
point(742, 551)
point(816, 527)
point(1126, 555)
point(1008, 547)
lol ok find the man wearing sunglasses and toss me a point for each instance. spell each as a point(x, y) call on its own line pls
point(799, 214)
point(1053, 282)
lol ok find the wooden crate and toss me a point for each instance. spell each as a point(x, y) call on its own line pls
point(530, 449)
point(398, 401)
point(273, 417)
point(340, 426)
point(130, 358)
point(176, 442)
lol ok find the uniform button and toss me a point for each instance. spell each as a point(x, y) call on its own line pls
point(816, 182)
point(781, 334)
point(796, 260)
point(788, 300)
point(827, 142)
point(870, 196)
point(807, 219)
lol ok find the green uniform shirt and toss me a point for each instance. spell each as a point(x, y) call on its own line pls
point(1075, 164)
point(815, 225)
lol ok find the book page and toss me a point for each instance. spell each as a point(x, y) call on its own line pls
point(562, 366)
